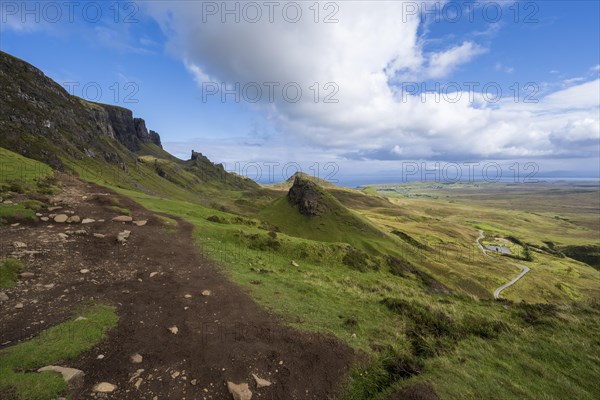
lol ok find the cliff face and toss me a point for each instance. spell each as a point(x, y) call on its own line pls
point(307, 197)
point(41, 120)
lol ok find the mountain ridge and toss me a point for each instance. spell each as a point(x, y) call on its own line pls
point(40, 120)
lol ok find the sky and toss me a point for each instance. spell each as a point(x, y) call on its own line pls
point(355, 92)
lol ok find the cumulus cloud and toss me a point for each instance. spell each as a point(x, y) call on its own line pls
point(363, 54)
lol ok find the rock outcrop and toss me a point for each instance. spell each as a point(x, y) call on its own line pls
point(307, 197)
point(58, 122)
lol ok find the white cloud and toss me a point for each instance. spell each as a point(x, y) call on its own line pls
point(443, 63)
point(362, 54)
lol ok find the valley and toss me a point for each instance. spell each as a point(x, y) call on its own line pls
point(383, 292)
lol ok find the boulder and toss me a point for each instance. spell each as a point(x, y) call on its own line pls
point(261, 383)
point(60, 218)
point(136, 358)
point(104, 387)
point(239, 391)
point(123, 236)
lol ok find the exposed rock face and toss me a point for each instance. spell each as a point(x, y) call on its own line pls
point(306, 196)
point(33, 103)
point(196, 156)
point(155, 138)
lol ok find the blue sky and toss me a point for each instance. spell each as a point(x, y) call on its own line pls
point(376, 54)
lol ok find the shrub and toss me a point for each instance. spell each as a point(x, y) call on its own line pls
point(216, 219)
point(359, 260)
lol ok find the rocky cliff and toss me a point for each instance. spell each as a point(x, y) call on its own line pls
point(307, 197)
point(41, 120)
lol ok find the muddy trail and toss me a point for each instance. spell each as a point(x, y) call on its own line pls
point(157, 279)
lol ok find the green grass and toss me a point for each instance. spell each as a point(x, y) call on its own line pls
point(13, 213)
point(120, 210)
point(52, 346)
point(9, 271)
point(20, 174)
point(461, 343)
point(19, 212)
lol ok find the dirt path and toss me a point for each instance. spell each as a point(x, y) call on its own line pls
point(524, 269)
point(224, 336)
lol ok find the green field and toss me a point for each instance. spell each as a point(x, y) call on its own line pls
point(400, 279)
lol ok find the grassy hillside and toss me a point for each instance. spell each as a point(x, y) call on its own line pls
point(460, 345)
point(394, 271)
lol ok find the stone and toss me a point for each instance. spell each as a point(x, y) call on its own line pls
point(174, 330)
point(63, 235)
point(8, 202)
point(80, 319)
point(194, 382)
point(136, 358)
point(99, 235)
point(188, 296)
point(100, 357)
point(19, 245)
point(88, 221)
point(136, 374)
point(84, 271)
point(122, 218)
point(123, 236)
point(153, 274)
point(60, 218)
point(175, 374)
point(104, 387)
point(19, 305)
point(3, 296)
point(140, 223)
point(74, 219)
point(73, 377)
point(206, 293)
point(15, 224)
point(26, 274)
point(261, 383)
point(239, 391)
point(54, 208)
point(295, 264)
point(38, 214)
point(138, 383)
point(45, 219)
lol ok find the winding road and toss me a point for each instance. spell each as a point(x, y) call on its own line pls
point(524, 269)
